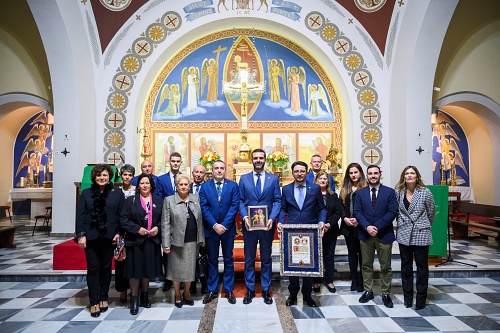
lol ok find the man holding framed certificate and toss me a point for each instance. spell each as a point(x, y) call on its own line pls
point(260, 203)
point(301, 203)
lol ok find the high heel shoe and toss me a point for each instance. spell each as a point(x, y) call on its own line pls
point(331, 289)
point(145, 303)
point(189, 302)
point(103, 305)
point(317, 289)
point(95, 311)
point(178, 304)
point(134, 305)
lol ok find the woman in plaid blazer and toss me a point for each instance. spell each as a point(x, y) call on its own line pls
point(414, 219)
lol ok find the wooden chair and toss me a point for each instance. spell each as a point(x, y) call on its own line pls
point(46, 218)
point(6, 210)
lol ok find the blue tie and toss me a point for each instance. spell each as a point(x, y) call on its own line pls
point(175, 185)
point(219, 191)
point(301, 196)
point(196, 188)
point(258, 185)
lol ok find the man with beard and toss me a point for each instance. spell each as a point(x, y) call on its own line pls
point(259, 188)
point(301, 203)
point(375, 208)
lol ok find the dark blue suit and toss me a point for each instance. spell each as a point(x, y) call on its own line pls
point(166, 185)
point(222, 212)
point(270, 197)
point(310, 178)
point(381, 216)
point(313, 211)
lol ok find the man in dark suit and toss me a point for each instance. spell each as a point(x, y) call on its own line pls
point(375, 209)
point(301, 203)
point(259, 188)
point(219, 201)
point(198, 174)
point(168, 188)
point(316, 164)
point(167, 180)
point(147, 168)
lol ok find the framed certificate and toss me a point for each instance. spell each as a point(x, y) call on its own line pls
point(257, 216)
point(301, 250)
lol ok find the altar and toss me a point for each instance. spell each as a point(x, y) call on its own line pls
point(467, 193)
point(40, 198)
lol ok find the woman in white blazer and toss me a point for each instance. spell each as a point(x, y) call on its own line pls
point(414, 220)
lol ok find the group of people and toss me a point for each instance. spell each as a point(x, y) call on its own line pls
point(176, 216)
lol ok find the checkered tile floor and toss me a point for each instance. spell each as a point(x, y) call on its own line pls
point(457, 302)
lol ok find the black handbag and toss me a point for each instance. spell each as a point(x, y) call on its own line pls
point(202, 265)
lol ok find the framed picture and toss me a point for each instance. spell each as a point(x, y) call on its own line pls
point(301, 250)
point(258, 217)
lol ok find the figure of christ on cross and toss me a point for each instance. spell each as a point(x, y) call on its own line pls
point(243, 89)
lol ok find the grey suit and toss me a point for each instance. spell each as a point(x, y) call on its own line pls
point(182, 257)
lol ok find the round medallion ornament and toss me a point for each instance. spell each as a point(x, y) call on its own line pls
point(329, 32)
point(367, 97)
point(369, 6)
point(115, 120)
point(131, 64)
point(116, 5)
point(315, 21)
point(353, 61)
point(117, 101)
point(122, 82)
point(156, 33)
point(142, 47)
point(372, 155)
point(372, 136)
point(172, 21)
point(370, 116)
point(341, 46)
point(361, 79)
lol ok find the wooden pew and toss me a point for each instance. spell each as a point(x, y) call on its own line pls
point(7, 234)
point(460, 225)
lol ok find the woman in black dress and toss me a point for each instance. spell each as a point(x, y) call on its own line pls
point(97, 222)
point(354, 180)
point(141, 219)
point(329, 239)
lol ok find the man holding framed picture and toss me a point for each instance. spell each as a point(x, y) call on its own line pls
point(260, 197)
point(301, 203)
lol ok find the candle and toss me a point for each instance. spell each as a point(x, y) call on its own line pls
point(29, 170)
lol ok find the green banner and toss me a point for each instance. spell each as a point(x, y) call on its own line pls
point(440, 224)
point(86, 181)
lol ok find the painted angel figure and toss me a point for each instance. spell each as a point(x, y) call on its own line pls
point(317, 93)
point(210, 74)
point(275, 70)
point(296, 75)
point(191, 80)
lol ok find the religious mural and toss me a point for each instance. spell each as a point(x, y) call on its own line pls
point(450, 151)
point(242, 82)
point(33, 151)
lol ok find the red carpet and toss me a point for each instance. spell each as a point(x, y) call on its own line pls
point(68, 256)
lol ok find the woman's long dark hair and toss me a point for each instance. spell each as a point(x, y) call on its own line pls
point(347, 183)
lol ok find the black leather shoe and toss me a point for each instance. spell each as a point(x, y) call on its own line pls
point(145, 303)
point(167, 285)
point(407, 305)
point(248, 297)
point(210, 297)
point(310, 302)
point(419, 307)
point(178, 304)
point(189, 302)
point(134, 305)
point(316, 289)
point(332, 290)
point(367, 295)
point(230, 297)
point(192, 288)
point(267, 297)
point(291, 300)
point(204, 288)
point(387, 301)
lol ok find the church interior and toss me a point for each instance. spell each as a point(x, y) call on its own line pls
point(385, 82)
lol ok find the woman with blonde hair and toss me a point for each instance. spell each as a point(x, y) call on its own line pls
point(414, 220)
point(329, 239)
point(182, 235)
point(354, 179)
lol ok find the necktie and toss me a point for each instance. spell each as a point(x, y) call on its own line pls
point(219, 191)
point(196, 188)
point(301, 196)
point(175, 185)
point(374, 196)
point(258, 185)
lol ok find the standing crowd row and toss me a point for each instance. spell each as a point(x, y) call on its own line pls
point(167, 220)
